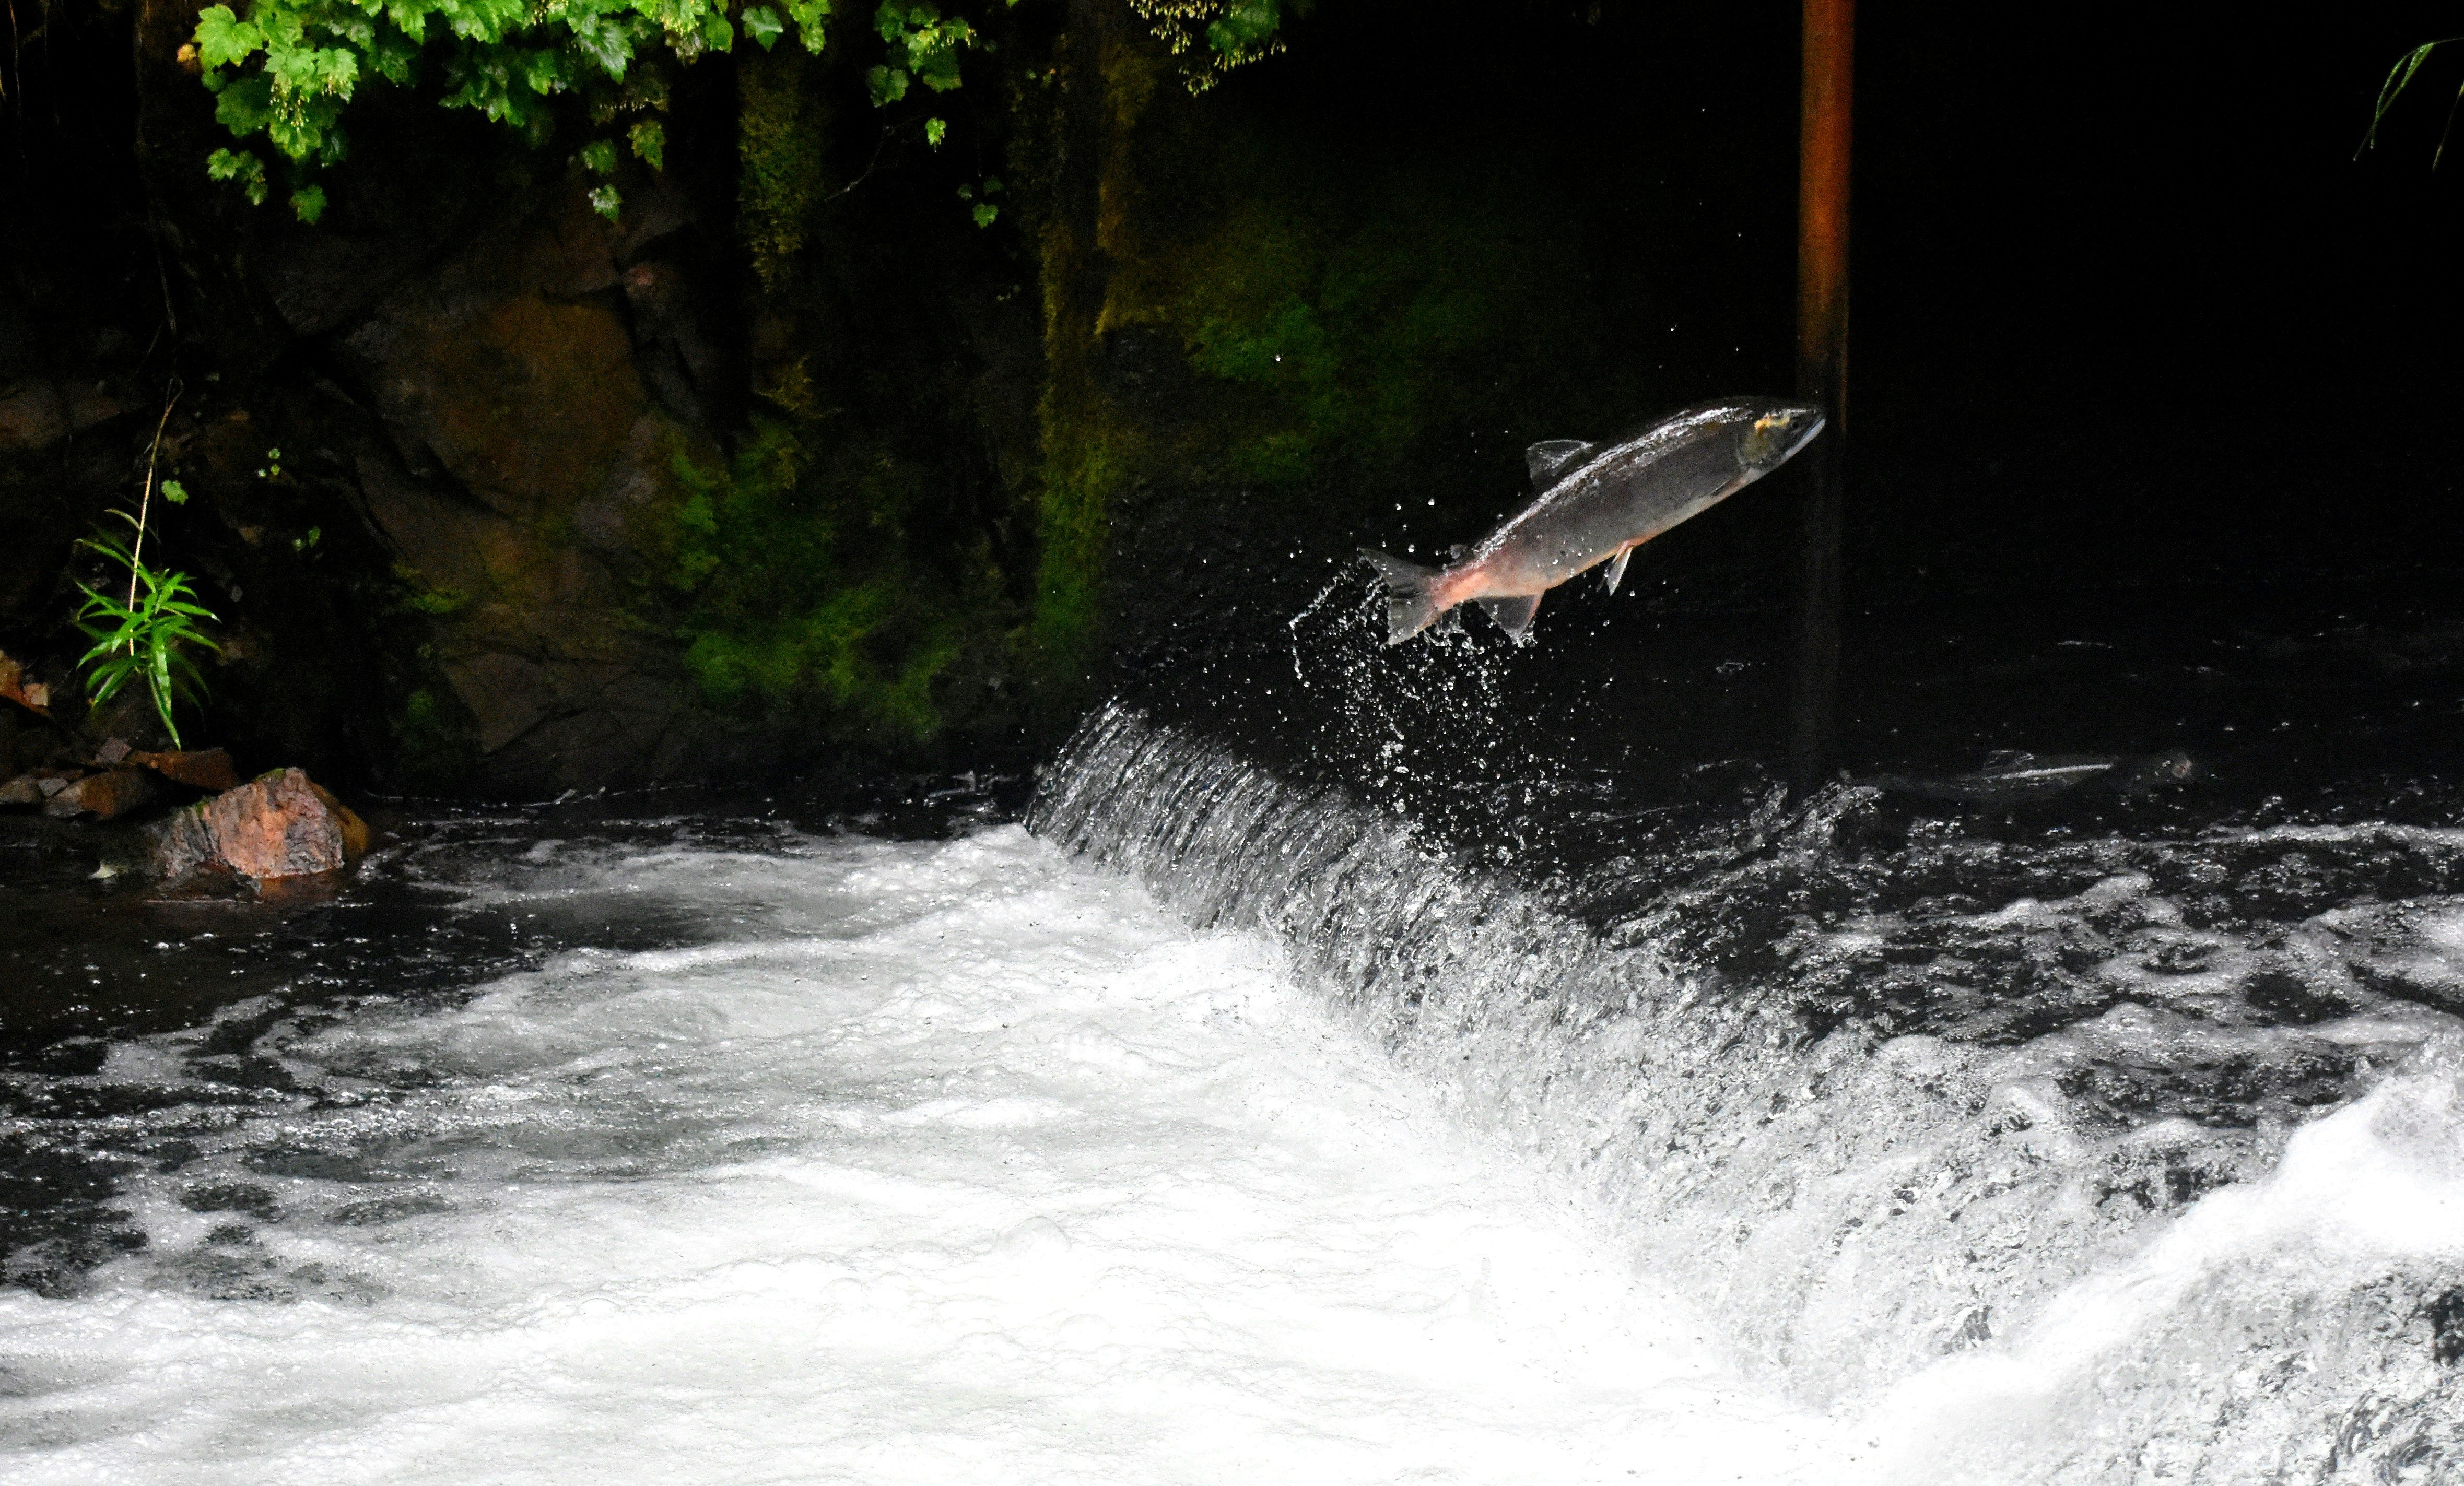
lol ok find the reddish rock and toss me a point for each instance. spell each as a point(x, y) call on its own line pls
point(107, 794)
point(277, 826)
point(32, 695)
point(204, 769)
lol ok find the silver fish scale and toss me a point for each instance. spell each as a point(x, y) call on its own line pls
point(1628, 493)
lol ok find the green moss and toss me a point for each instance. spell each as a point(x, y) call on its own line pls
point(421, 597)
point(794, 584)
point(1368, 324)
point(781, 124)
point(1070, 523)
point(434, 747)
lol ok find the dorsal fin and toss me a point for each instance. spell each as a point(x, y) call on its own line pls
point(1553, 457)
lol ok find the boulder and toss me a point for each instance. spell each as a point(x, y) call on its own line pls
point(277, 826)
point(108, 795)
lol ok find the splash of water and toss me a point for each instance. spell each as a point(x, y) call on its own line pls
point(1883, 1126)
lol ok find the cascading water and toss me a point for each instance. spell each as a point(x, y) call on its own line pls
point(2078, 1155)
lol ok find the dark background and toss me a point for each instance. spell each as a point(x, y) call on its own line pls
point(2127, 310)
point(2133, 327)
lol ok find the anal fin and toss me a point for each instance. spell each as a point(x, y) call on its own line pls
point(1615, 574)
point(1513, 615)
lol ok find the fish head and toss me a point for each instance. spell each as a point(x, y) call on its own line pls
point(1771, 432)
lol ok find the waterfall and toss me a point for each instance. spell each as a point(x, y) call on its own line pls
point(2146, 1181)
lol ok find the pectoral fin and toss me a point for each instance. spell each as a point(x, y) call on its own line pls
point(1615, 574)
point(1513, 615)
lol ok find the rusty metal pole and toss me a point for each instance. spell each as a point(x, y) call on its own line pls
point(1822, 371)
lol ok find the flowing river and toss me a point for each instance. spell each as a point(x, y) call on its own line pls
point(1224, 1122)
point(910, 1160)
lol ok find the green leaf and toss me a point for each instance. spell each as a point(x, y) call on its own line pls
point(599, 155)
point(244, 106)
point(717, 34)
point(762, 24)
point(649, 142)
point(984, 213)
point(607, 43)
point(936, 130)
point(543, 73)
point(308, 202)
point(233, 165)
point(605, 201)
point(175, 493)
point(809, 16)
point(224, 38)
point(887, 85)
point(394, 57)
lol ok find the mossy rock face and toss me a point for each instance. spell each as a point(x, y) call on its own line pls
point(525, 447)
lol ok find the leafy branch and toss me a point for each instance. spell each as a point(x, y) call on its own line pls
point(285, 73)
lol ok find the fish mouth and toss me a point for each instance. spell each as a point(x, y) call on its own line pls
point(1800, 437)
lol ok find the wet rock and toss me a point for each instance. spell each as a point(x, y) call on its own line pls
point(36, 416)
point(37, 786)
point(108, 795)
point(202, 769)
point(278, 826)
point(524, 452)
point(128, 719)
point(17, 687)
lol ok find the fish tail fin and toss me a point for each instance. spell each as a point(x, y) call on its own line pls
point(1411, 600)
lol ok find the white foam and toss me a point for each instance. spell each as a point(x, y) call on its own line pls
point(946, 1164)
point(2361, 1197)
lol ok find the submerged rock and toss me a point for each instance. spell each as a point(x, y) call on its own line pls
point(277, 826)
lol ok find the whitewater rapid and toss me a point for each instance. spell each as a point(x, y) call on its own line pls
point(957, 1162)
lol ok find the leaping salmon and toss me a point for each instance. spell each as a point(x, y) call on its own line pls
point(1596, 503)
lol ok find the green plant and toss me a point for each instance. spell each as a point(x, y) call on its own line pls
point(286, 72)
point(145, 636)
point(2399, 77)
